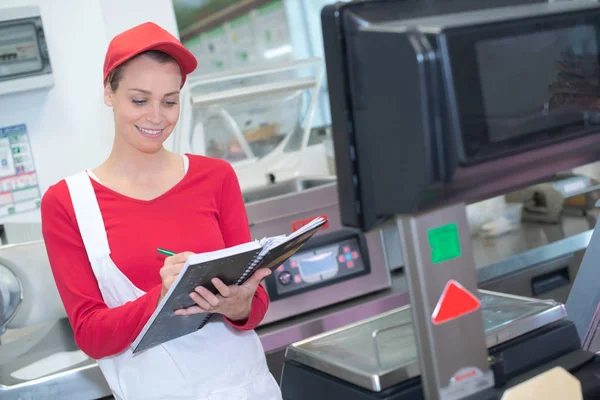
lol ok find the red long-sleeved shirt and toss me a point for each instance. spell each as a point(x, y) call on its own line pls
point(203, 212)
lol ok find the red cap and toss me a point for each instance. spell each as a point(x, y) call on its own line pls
point(144, 37)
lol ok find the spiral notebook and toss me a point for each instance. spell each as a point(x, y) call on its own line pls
point(233, 265)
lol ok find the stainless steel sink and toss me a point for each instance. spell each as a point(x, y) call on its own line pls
point(285, 188)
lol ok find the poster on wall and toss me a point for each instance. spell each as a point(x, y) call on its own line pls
point(241, 36)
point(272, 32)
point(215, 47)
point(258, 37)
point(19, 189)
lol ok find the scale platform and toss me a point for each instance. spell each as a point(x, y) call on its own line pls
point(380, 353)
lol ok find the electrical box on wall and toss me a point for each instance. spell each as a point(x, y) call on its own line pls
point(24, 59)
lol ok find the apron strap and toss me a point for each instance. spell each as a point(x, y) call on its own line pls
point(87, 213)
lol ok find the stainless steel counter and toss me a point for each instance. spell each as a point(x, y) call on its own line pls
point(538, 260)
point(493, 255)
point(27, 366)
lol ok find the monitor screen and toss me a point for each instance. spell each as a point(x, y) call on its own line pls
point(530, 82)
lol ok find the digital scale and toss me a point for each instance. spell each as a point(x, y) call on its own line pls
point(377, 358)
point(435, 106)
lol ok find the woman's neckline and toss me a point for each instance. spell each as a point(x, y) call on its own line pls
point(186, 168)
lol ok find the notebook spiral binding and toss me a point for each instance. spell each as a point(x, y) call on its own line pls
point(249, 269)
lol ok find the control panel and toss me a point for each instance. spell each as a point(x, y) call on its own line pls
point(24, 58)
point(324, 260)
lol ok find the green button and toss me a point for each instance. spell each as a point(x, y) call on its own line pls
point(11, 210)
point(444, 242)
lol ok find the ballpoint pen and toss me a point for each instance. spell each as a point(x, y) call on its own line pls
point(165, 252)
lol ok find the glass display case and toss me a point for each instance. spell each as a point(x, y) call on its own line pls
point(259, 120)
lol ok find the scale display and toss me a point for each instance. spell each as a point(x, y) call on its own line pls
point(510, 99)
point(319, 265)
point(561, 77)
point(316, 267)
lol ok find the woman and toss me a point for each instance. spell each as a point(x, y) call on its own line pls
point(102, 229)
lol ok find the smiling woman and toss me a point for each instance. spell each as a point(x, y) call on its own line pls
point(102, 228)
point(142, 104)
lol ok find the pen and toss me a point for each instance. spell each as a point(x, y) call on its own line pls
point(165, 252)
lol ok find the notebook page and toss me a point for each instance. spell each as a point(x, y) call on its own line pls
point(311, 225)
point(282, 247)
point(222, 253)
point(282, 239)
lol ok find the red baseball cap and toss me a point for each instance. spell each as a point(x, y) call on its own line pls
point(144, 37)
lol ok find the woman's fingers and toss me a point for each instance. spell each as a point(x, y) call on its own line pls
point(212, 299)
point(201, 301)
point(190, 311)
point(223, 289)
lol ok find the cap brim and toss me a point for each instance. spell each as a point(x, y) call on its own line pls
point(186, 60)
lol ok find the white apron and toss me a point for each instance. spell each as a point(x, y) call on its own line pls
point(217, 362)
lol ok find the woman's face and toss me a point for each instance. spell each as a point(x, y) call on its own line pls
point(146, 103)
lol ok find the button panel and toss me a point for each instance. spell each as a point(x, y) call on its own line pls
point(285, 278)
point(314, 266)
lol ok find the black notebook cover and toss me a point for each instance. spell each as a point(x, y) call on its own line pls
point(168, 326)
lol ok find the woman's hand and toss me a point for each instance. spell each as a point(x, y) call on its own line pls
point(170, 270)
point(233, 302)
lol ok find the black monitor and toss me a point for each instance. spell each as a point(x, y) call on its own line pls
point(430, 110)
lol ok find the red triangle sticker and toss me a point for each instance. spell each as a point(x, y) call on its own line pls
point(454, 302)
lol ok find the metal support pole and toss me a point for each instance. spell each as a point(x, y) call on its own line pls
point(438, 259)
